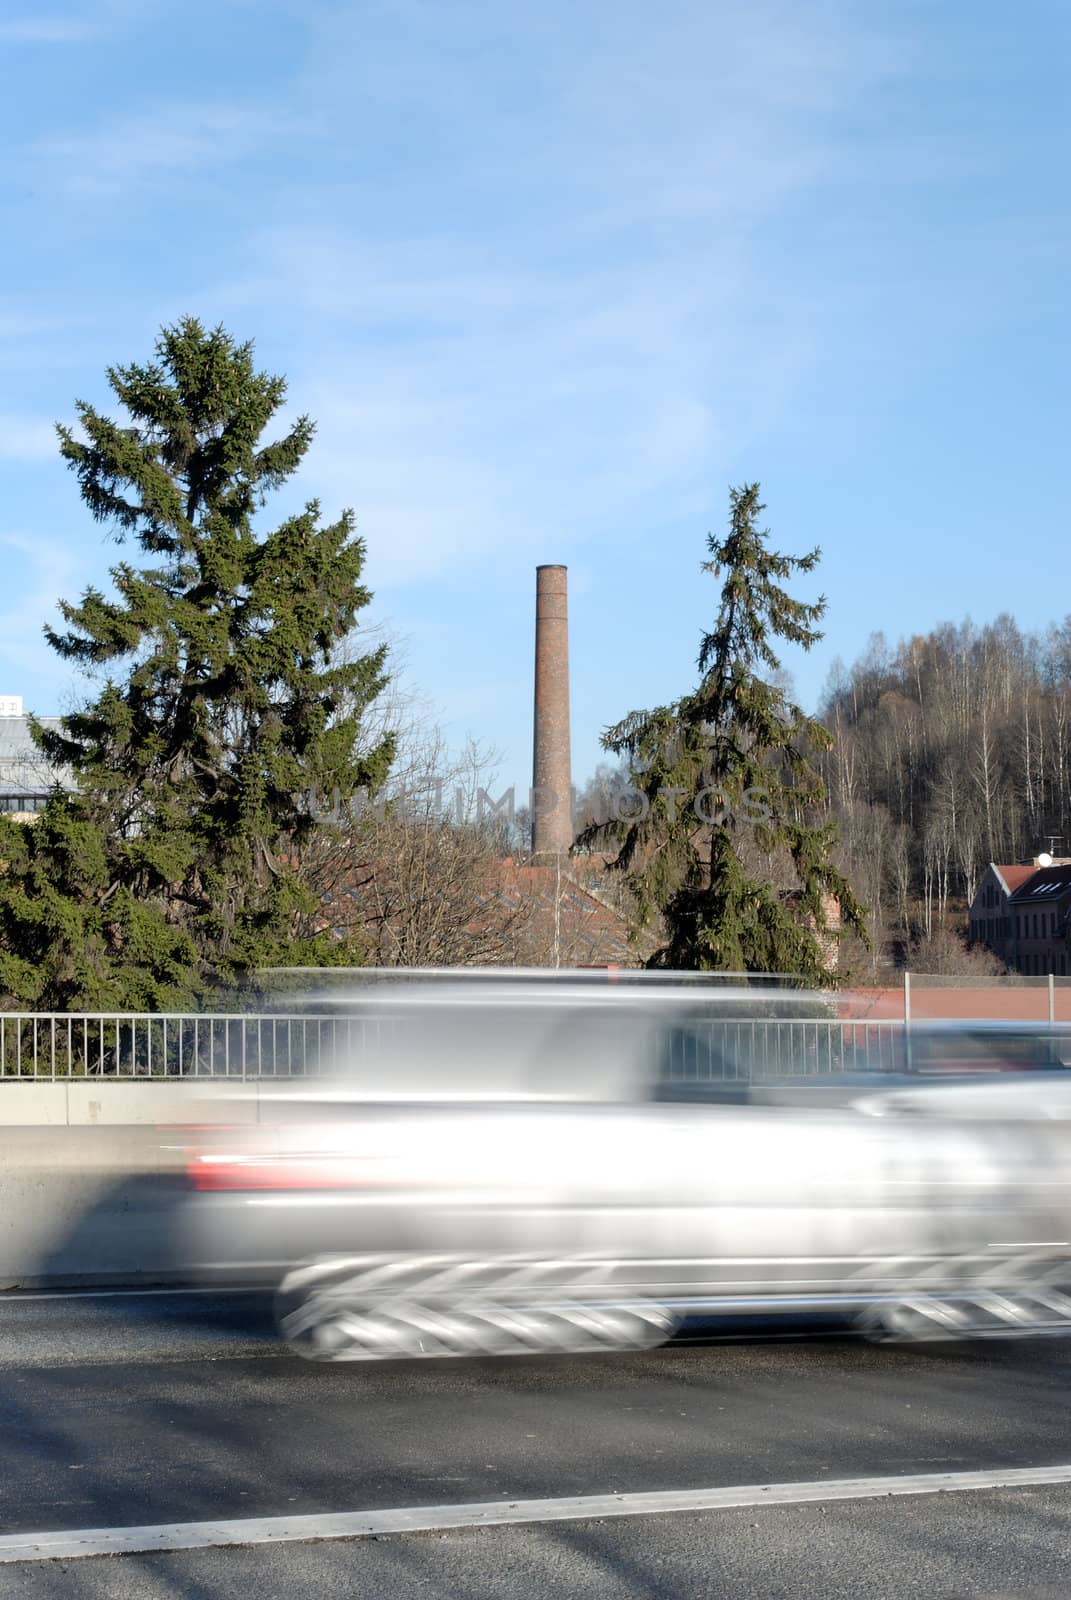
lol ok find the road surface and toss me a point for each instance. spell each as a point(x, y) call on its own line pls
point(126, 1412)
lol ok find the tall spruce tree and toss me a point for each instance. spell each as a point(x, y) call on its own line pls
point(220, 702)
point(728, 782)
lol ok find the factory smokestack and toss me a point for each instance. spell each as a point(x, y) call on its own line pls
point(552, 799)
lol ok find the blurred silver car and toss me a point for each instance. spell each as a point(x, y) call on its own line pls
point(530, 1166)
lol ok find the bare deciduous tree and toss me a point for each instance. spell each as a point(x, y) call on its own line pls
point(963, 736)
point(944, 953)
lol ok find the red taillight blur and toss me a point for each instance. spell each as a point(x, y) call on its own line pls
point(263, 1159)
point(290, 1172)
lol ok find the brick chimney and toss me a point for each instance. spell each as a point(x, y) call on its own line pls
point(552, 799)
point(828, 940)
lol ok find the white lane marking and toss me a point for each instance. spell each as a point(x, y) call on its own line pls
point(67, 1545)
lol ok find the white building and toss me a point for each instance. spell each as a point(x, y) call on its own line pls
point(26, 778)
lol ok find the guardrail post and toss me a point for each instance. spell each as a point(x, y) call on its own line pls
point(907, 1018)
point(1052, 998)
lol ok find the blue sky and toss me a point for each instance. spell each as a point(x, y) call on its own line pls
point(550, 278)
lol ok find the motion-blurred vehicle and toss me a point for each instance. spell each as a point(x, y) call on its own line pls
point(953, 1049)
point(520, 1167)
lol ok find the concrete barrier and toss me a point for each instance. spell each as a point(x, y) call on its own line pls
point(88, 1103)
point(91, 1178)
point(91, 1175)
point(88, 1205)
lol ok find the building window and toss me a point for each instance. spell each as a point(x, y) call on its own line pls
point(26, 803)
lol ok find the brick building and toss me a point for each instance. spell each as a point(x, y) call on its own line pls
point(1040, 913)
point(1023, 914)
point(560, 918)
point(990, 917)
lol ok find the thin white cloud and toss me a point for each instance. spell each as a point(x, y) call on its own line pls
point(494, 406)
point(50, 571)
point(165, 139)
point(577, 333)
point(27, 439)
point(568, 321)
point(14, 325)
point(44, 30)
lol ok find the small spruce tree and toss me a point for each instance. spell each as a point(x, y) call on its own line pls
point(168, 869)
point(725, 777)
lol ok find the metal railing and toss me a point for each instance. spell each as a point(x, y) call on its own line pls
point(774, 1048)
point(173, 1045)
point(61, 1046)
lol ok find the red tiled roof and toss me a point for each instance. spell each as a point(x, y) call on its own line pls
point(1013, 877)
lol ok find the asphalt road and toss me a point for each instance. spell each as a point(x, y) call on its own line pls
point(127, 1410)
